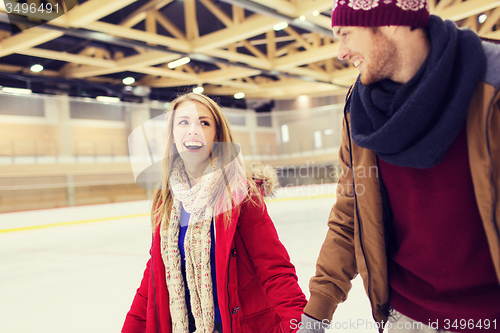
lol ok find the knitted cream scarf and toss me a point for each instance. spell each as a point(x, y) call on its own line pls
point(197, 246)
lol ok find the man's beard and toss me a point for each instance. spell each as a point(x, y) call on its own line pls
point(383, 60)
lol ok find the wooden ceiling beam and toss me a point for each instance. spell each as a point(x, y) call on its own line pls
point(255, 51)
point(227, 74)
point(151, 24)
point(16, 69)
point(169, 73)
point(27, 39)
point(139, 15)
point(318, 75)
point(133, 21)
point(306, 57)
point(286, 49)
point(68, 57)
point(462, 10)
point(141, 60)
point(271, 44)
point(192, 31)
point(305, 7)
point(492, 35)
point(491, 21)
point(443, 4)
point(281, 90)
point(238, 14)
point(238, 57)
point(432, 4)
point(165, 82)
point(221, 15)
point(298, 38)
point(253, 26)
point(345, 76)
point(168, 25)
point(321, 20)
point(91, 11)
point(236, 84)
point(119, 31)
point(281, 6)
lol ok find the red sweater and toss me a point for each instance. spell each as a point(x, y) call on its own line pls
point(440, 266)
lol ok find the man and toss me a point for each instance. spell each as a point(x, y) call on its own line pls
point(418, 202)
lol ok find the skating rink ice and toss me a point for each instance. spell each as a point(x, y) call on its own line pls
point(76, 269)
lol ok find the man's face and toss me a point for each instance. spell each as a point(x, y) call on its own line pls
point(369, 50)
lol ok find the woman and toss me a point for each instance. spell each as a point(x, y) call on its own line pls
point(216, 264)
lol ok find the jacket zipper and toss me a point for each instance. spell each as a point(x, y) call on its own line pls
point(154, 287)
point(228, 295)
point(495, 194)
point(356, 207)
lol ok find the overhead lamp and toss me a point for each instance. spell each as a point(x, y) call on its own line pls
point(482, 18)
point(302, 17)
point(128, 80)
point(328, 131)
point(9, 90)
point(107, 99)
point(179, 62)
point(315, 13)
point(239, 95)
point(37, 68)
point(199, 90)
point(280, 26)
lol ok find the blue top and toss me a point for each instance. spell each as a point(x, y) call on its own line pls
point(184, 220)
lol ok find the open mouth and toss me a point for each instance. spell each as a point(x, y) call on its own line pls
point(193, 146)
point(356, 63)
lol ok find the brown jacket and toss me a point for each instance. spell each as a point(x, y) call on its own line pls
point(355, 242)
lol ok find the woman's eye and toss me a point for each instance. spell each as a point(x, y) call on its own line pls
point(205, 123)
point(183, 122)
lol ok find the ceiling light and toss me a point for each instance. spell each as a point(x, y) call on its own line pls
point(482, 18)
point(316, 13)
point(302, 17)
point(199, 90)
point(179, 62)
point(128, 80)
point(107, 99)
point(37, 68)
point(328, 131)
point(239, 95)
point(280, 26)
point(9, 90)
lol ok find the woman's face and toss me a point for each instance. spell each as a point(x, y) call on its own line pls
point(194, 131)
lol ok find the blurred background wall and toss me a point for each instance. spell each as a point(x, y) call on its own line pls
point(58, 151)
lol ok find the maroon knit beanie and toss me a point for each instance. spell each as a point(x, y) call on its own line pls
point(376, 13)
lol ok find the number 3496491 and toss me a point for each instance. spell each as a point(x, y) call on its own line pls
point(24, 8)
point(485, 324)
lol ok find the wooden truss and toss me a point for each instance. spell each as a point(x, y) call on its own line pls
point(246, 46)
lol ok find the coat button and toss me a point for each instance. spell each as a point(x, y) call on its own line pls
point(236, 309)
point(233, 253)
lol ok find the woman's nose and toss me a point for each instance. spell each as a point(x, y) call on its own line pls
point(194, 129)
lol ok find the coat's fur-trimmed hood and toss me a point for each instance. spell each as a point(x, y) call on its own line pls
point(265, 177)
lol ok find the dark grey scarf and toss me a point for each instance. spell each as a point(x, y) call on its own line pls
point(414, 124)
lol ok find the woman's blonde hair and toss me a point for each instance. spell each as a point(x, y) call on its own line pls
point(231, 182)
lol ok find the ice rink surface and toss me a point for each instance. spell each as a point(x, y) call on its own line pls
point(82, 277)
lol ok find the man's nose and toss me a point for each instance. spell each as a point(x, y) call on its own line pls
point(343, 51)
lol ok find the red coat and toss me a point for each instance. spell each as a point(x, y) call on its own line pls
point(256, 282)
